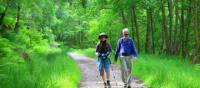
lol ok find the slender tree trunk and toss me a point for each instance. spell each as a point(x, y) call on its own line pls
point(110, 34)
point(148, 33)
point(188, 27)
point(169, 48)
point(17, 20)
point(124, 21)
point(182, 31)
point(195, 25)
point(176, 28)
point(80, 39)
point(164, 28)
point(132, 24)
point(152, 30)
point(137, 31)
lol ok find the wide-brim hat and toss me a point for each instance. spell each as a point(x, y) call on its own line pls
point(102, 34)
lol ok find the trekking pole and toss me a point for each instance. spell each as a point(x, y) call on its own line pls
point(114, 76)
point(97, 75)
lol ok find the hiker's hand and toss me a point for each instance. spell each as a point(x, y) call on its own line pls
point(98, 54)
point(135, 61)
point(114, 62)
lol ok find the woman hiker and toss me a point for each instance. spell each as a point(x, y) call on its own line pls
point(103, 51)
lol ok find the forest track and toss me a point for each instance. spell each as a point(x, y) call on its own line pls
point(91, 78)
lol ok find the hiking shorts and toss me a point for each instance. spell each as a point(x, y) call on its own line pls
point(103, 65)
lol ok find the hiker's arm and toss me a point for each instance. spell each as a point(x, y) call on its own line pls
point(117, 50)
point(109, 51)
point(97, 50)
point(134, 50)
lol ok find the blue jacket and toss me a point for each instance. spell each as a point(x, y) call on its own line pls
point(125, 46)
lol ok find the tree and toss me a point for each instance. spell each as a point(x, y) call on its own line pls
point(170, 25)
point(164, 28)
point(149, 33)
point(134, 20)
point(195, 27)
point(17, 20)
point(176, 27)
point(189, 11)
point(182, 30)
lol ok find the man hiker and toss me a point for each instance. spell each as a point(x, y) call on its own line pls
point(126, 49)
point(103, 51)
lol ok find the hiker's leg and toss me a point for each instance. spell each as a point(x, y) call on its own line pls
point(100, 68)
point(108, 75)
point(107, 69)
point(123, 69)
point(129, 62)
point(102, 75)
point(104, 71)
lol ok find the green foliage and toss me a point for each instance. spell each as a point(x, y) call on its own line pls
point(5, 47)
point(53, 70)
point(28, 61)
point(90, 52)
point(166, 72)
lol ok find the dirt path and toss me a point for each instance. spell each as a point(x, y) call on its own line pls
point(91, 78)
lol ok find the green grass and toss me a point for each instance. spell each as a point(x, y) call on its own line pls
point(162, 71)
point(28, 61)
point(90, 52)
point(167, 72)
point(52, 69)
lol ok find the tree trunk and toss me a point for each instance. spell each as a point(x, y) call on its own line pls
point(149, 30)
point(124, 21)
point(110, 34)
point(152, 30)
point(132, 24)
point(176, 28)
point(182, 31)
point(164, 28)
point(188, 27)
point(17, 20)
point(169, 48)
point(195, 25)
point(137, 31)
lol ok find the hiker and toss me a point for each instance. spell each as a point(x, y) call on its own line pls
point(103, 50)
point(126, 49)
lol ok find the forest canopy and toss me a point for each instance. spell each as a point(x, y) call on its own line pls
point(157, 26)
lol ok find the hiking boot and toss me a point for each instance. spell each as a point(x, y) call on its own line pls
point(108, 83)
point(105, 84)
point(125, 85)
point(129, 86)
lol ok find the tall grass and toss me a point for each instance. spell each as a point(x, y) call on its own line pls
point(162, 71)
point(53, 70)
point(167, 72)
point(90, 52)
point(27, 61)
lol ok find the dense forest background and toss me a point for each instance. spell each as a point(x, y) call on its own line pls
point(31, 28)
point(157, 26)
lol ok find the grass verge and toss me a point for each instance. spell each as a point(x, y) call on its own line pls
point(52, 69)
